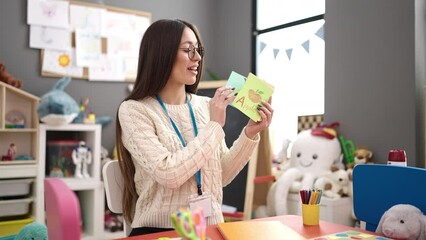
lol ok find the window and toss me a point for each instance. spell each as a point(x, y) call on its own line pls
point(290, 55)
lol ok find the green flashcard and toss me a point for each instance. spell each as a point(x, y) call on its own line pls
point(253, 91)
point(236, 81)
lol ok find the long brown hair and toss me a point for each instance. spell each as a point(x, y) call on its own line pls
point(157, 55)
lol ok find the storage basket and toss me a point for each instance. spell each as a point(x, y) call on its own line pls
point(14, 207)
point(8, 228)
point(15, 187)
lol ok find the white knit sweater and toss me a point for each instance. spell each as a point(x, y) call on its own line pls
point(165, 170)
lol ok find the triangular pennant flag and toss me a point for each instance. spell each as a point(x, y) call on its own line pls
point(276, 51)
point(262, 46)
point(289, 51)
point(305, 45)
point(320, 32)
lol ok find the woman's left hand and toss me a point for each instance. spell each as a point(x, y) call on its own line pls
point(266, 111)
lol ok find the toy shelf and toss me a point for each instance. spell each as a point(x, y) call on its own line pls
point(90, 191)
point(18, 125)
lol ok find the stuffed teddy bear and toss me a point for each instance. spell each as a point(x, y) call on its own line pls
point(335, 184)
point(7, 78)
point(311, 156)
point(403, 221)
point(362, 155)
point(32, 231)
point(56, 106)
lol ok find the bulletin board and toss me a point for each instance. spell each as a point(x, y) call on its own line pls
point(146, 16)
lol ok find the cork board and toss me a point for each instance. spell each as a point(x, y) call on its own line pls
point(104, 40)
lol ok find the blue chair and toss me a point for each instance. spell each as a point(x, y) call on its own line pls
point(376, 188)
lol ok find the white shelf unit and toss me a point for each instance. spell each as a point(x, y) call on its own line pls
point(90, 191)
point(16, 106)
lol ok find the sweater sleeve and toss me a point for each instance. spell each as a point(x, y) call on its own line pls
point(170, 169)
point(234, 159)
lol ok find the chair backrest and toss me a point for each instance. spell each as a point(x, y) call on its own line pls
point(63, 215)
point(376, 188)
point(113, 182)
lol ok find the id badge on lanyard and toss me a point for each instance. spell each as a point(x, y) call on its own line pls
point(203, 201)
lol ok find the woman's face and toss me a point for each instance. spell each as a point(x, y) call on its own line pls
point(185, 69)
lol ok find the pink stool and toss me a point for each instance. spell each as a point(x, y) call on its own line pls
point(62, 210)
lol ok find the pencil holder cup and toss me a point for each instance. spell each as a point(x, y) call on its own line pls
point(310, 214)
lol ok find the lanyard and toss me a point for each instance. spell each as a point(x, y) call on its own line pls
point(194, 123)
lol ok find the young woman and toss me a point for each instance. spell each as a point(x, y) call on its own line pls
point(170, 141)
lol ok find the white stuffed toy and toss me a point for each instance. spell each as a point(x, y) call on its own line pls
point(335, 183)
point(403, 221)
point(312, 155)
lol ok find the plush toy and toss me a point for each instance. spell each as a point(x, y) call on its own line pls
point(312, 155)
point(32, 231)
point(56, 106)
point(362, 155)
point(403, 221)
point(112, 221)
point(335, 183)
point(7, 78)
point(280, 163)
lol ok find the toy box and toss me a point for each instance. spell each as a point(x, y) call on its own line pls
point(331, 210)
point(15, 187)
point(12, 227)
point(59, 158)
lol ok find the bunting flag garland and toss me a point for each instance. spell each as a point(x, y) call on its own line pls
point(320, 32)
point(288, 51)
point(306, 45)
point(276, 51)
point(262, 46)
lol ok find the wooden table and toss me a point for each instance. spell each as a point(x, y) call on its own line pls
point(292, 221)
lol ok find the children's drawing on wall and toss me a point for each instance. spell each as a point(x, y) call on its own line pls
point(108, 68)
point(123, 45)
point(86, 18)
point(119, 23)
point(43, 37)
point(88, 47)
point(124, 50)
point(139, 24)
point(130, 67)
point(61, 62)
point(48, 13)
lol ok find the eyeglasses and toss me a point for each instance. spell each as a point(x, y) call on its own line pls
point(191, 51)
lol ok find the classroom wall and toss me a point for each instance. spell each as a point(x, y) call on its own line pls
point(224, 26)
point(374, 74)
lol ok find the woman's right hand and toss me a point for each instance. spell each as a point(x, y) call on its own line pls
point(221, 99)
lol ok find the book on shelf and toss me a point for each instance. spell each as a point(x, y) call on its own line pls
point(251, 91)
point(271, 230)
